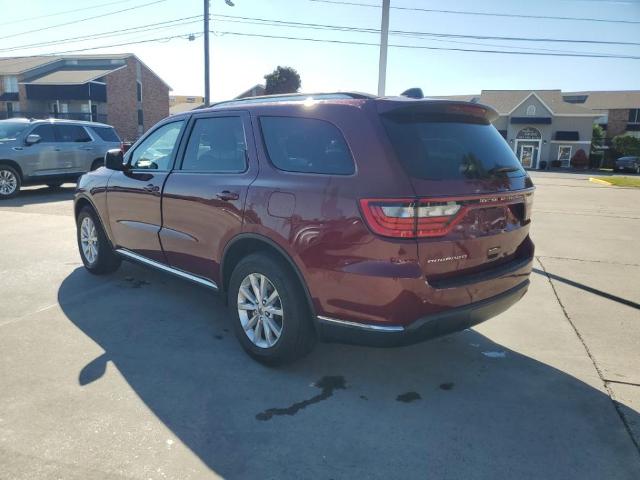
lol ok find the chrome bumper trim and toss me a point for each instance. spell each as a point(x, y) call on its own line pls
point(363, 326)
point(166, 268)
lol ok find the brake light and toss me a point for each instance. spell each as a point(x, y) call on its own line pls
point(408, 218)
point(528, 206)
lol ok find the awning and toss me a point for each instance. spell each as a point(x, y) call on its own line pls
point(10, 97)
point(531, 120)
point(68, 77)
point(567, 136)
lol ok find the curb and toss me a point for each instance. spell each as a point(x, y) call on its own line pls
point(601, 182)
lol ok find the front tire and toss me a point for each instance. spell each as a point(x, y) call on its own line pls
point(271, 317)
point(95, 249)
point(9, 182)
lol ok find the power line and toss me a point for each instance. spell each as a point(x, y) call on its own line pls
point(29, 19)
point(320, 26)
point(114, 33)
point(487, 14)
point(82, 19)
point(424, 47)
point(344, 42)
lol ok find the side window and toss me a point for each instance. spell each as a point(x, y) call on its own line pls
point(216, 145)
point(46, 133)
point(155, 151)
point(306, 145)
point(71, 133)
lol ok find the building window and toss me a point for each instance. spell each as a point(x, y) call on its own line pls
point(11, 84)
point(140, 117)
point(531, 110)
point(634, 115)
point(564, 155)
point(139, 91)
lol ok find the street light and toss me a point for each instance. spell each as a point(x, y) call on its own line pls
point(206, 50)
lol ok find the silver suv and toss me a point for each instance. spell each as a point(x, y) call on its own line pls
point(50, 151)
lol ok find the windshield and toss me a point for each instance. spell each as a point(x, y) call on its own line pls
point(444, 150)
point(10, 130)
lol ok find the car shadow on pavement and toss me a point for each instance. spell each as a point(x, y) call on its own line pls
point(41, 194)
point(458, 407)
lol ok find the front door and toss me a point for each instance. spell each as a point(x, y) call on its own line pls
point(43, 158)
point(134, 195)
point(526, 155)
point(203, 199)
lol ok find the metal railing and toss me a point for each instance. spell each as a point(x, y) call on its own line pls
point(88, 117)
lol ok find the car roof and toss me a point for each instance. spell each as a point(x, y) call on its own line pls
point(383, 104)
point(37, 121)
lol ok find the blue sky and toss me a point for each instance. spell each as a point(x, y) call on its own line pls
point(239, 62)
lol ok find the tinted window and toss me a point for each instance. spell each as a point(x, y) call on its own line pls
point(72, 133)
point(107, 134)
point(306, 145)
point(46, 133)
point(216, 145)
point(156, 151)
point(440, 150)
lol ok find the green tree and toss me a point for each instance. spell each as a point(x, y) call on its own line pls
point(282, 80)
point(597, 137)
point(626, 145)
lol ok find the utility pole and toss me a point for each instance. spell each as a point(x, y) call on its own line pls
point(384, 43)
point(206, 54)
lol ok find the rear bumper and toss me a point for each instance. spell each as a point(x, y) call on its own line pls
point(424, 328)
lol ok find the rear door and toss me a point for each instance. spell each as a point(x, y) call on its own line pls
point(76, 149)
point(134, 196)
point(203, 198)
point(472, 195)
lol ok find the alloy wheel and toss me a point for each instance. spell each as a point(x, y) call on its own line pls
point(8, 182)
point(89, 239)
point(260, 310)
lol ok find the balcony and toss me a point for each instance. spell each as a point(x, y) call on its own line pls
point(85, 116)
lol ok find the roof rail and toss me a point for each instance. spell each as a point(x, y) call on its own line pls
point(295, 97)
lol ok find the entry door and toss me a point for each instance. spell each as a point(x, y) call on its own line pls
point(134, 195)
point(203, 199)
point(526, 155)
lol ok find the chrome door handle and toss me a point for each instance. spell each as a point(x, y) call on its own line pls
point(226, 195)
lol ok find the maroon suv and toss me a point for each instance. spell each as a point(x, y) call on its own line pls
point(337, 216)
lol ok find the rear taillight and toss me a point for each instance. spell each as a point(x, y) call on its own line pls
point(408, 218)
point(528, 206)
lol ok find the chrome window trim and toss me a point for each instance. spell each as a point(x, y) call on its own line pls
point(166, 268)
point(363, 326)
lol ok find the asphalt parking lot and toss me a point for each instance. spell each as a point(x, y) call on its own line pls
point(137, 375)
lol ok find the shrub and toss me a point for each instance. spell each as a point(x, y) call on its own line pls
point(579, 159)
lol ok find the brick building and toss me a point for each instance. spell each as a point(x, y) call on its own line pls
point(619, 110)
point(116, 89)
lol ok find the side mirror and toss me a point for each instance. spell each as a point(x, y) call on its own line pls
point(114, 160)
point(32, 139)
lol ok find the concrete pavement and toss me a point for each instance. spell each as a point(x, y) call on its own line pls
point(137, 375)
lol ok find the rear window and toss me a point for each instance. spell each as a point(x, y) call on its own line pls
point(107, 134)
point(306, 145)
point(444, 150)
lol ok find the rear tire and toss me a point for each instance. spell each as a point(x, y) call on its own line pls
point(279, 330)
point(9, 182)
point(96, 251)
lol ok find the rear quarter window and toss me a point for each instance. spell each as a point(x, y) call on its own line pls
point(446, 150)
point(107, 134)
point(306, 145)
